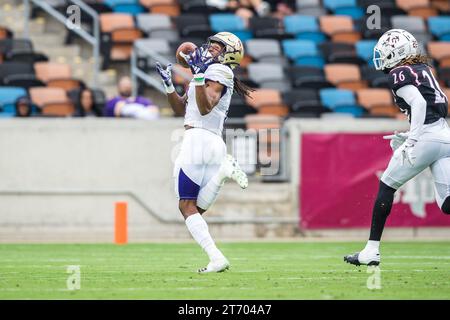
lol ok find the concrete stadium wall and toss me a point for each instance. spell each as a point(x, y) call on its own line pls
point(60, 178)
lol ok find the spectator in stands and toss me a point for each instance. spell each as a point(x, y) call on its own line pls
point(23, 107)
point(281, 9)
point(243, 8)
point(124, 105)
point(85, 104)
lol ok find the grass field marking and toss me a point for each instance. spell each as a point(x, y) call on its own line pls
point(374, 280)
point(421, 257)
point(74, 279)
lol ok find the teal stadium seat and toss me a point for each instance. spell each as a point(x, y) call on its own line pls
point(8, 96)
point(229, 22)
point(344, 7)
point(304, 28)
point(440, 27)
point(303, 52)
point(340, 100)
point(364, 50)
point(125, 6)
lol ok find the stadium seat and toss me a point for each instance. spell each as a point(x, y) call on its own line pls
point(268, 28)
point(364, 50)
point(262, 121)
point(340, 100)
point(52, 101)
point(441, 5)
point(239, 108)
point(440, 51)
point(302, 52)
point(5, 33)
point(25, 57)
point(387, 7)
point(167, 7)
point(363, 28)
point(8, 97)
point(264, 50)
point(378, 102)
point(344, 7)
point(304, 103)
point(308, 77)
point(337, 52)
point(421, 8)
point(412, 24)
point(46, 71)
point(229, 22)
point(193, 25)
point(316, 11)
point(260, 97)
point(125, 6)
point(331, 97)
point(148, 22)
point(25, 81)
point(444, 76)
point(268, 75)
point(440, 27)
point(157, 26)
point(375, 78)
point(8, 45)
point(344, 76)
point(198, 6)
point(8, 69)
point(118, 35)
point(339, 28)
point(304, 28)
point(300, 4)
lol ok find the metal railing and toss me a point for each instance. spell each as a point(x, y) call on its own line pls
point(151, 56)
point(93, 39)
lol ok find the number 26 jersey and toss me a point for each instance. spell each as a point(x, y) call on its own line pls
point(420, 76)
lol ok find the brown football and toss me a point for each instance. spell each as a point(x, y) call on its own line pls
point(186, 48)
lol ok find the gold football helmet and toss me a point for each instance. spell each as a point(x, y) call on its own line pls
point(233, 51)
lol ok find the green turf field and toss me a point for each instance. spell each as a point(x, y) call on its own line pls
point(259, 271)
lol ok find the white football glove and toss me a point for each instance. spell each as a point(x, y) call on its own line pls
point(407, 152)
point(397, 139)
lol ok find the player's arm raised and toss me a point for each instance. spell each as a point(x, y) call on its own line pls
point(207, 94)
point(177, 103)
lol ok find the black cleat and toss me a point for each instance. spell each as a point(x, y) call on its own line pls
point(354, 259)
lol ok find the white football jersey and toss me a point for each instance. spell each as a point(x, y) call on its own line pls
point(214, 120)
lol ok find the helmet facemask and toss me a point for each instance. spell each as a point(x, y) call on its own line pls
point(387, 53)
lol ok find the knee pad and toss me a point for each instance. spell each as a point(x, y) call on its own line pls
point(446, 206)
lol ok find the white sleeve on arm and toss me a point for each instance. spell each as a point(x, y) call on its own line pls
point(414, 98)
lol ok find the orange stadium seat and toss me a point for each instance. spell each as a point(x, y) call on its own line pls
point(260, 97)
point(344, 76)
point(421, 8)
point(3, 33)
point(123, 33)
point(339, 28)
point(52, 101)
point(442, 5)
point(168, 7)
point(66, 84)
point(56, 75)
point(377, 102)
point(46, 71)
point(268, 101)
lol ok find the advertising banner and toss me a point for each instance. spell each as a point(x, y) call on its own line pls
point(339, 182)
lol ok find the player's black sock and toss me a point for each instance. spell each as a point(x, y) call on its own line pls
point(446, 206)
point(381, 210)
